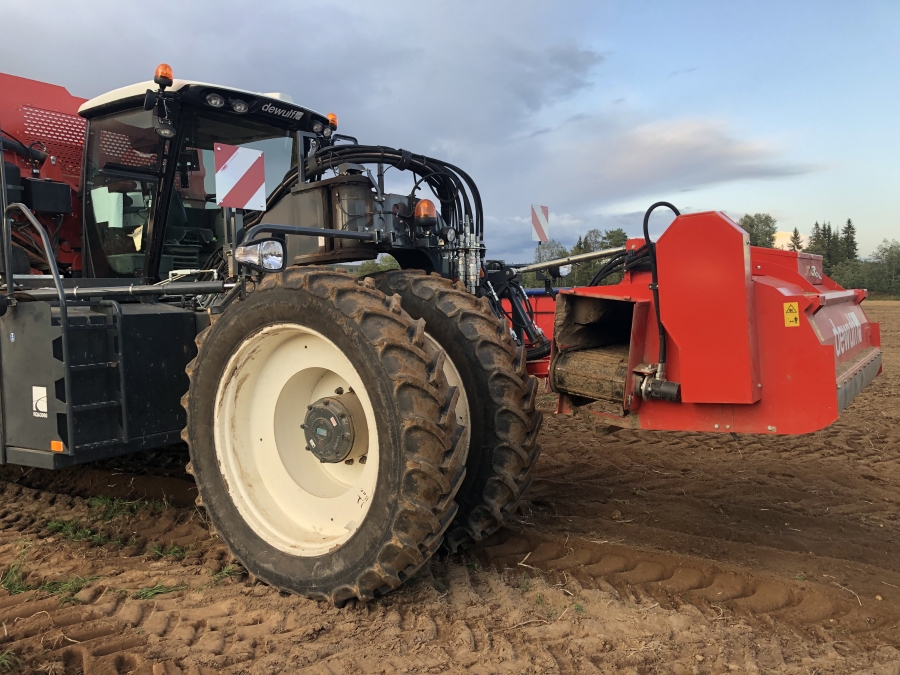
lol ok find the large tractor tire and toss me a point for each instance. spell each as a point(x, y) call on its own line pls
point(498, 406)
point(323, 437)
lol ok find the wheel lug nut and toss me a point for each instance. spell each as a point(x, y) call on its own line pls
point(348, 462)
point(339, 391)
point(302, 426)
point(362, 460)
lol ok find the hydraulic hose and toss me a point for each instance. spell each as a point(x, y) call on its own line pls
point(654, 286)
point(22, 150)
point(451, 185)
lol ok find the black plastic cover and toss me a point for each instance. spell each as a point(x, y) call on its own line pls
point(48, 196)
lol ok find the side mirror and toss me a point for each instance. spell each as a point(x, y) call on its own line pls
point(560, 272)
point(264, 255)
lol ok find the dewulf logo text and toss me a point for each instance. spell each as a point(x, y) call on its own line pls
point(39, 401)
point(847, 335)
point(282, 112)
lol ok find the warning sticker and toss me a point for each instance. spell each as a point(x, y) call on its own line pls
point(791, 314)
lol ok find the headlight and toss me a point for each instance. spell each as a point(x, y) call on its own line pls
point(327, 132)
point(239, 106)
point(317, 128)
point(165, 129)
point(265, 255)
point(215, 100)
point(565, 270)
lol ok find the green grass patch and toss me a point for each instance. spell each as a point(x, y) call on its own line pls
point(153, 591)
point(116, 506)
point(67, 588)
point(225, 573)
point(13, 578)
point(75, 531)
point(8, 661)
point(171, 552)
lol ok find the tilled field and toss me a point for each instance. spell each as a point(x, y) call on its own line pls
point(634, 553)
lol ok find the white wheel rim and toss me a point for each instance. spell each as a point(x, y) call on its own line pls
point(291, 500)
point(463, 414)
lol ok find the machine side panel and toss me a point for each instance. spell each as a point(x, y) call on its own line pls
point(30, 374)
point(707, 307)
point(158, 342)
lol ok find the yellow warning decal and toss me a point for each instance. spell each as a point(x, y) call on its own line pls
point(791, 314)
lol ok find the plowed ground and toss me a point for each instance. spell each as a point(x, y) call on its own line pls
point(634, 552)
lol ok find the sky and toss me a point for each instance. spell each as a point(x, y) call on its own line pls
point(595, 109)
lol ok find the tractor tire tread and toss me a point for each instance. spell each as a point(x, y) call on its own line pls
point(426, 512)
point(512, 391)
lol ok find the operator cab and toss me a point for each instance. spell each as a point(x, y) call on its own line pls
point(150, 204)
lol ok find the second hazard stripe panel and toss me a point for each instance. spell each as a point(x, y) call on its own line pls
point(240, 177)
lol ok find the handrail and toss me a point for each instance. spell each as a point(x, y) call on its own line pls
point(568, 260)
point(63, 313)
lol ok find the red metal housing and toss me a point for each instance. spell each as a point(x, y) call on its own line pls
point(759, 339)
point(45, 116)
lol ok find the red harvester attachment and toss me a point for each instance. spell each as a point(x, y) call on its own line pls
point(759, 340)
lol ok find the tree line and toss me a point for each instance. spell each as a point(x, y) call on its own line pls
point(879, 273)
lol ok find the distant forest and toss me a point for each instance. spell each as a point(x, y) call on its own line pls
point(879, 273)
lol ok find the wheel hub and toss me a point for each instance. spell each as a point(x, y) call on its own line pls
point(328, 428)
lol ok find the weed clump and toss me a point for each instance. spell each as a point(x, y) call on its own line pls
point(116, 506)
point(171, 552)
point(153, 591)
point(75, 531)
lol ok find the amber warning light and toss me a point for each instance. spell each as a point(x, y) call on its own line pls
point(332, 120)
point(163, 75)
point(426, 213)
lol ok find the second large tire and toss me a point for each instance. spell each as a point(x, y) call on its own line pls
point(501, 396)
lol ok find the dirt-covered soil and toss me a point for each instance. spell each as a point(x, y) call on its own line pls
point(634, 553)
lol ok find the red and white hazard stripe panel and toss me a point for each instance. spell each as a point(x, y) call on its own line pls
point(540, 223)
point(240, 177)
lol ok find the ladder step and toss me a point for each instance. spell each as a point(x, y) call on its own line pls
point(95, 366)
point(99, 444)
point(96, 406)
point(90, 326)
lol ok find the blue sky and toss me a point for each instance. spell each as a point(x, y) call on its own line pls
point(596, 109)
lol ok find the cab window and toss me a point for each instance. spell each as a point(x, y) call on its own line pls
point(195, 229)
point(122, 175)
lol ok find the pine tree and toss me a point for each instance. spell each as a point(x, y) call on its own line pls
point(796, 241)
point(814, 245)
point(848, 241)
point(761, 227)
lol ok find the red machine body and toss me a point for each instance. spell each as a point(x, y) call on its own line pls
point(760, 340)
point(45, 117)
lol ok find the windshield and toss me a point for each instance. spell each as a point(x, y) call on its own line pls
point(123, 162)
point(195, 228)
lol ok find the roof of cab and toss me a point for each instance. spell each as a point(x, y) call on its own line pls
point(139, 90)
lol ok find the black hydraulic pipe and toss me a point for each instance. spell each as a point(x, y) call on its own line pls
point(374, 235)
point(654, 286)
point(23, 150)
point(88, 292)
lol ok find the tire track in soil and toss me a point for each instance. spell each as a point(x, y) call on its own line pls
point(454, 616)
point(644, 577)
point(722, 590)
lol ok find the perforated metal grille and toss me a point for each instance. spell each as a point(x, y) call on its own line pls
point(117, 148)
point(61, 133)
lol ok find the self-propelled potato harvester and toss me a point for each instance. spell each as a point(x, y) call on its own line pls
point(171, 263)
